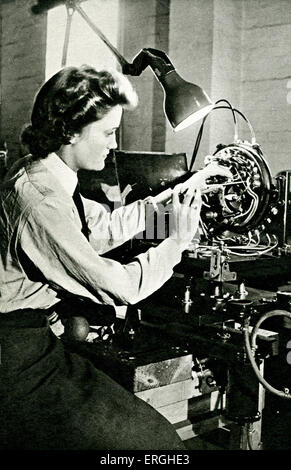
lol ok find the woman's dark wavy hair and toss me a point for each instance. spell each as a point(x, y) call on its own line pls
point(68, 101)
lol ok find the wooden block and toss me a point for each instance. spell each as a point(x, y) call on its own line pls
point(157, 374)
point(142, 368)
point(176, 412)
point(168, 394)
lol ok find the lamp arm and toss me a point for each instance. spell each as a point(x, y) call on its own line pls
point(44, 5)
point(184, 102)
point(123, 62)
point(156, 59)
point(70, 13)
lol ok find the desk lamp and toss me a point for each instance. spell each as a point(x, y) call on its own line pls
point(184, 102)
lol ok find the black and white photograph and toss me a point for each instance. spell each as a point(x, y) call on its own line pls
point(145, 230)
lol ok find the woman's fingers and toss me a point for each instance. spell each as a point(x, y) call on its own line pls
point(214, 169)
point(196, 202)
point(198, 179)
point(185, 215)
point(176, 196)
point(188, 197)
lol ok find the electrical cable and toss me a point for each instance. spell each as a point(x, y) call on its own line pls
point(256, 253)
point(200, 132)
point(197, 144)
point(249, 247)
point(235, 138)
point(251, 347)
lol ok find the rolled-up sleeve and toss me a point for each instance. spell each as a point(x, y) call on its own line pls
point(108, 229)
point(54, 243)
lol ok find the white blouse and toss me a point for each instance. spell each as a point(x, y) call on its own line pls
point(40, 232)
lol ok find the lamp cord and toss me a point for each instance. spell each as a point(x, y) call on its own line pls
point(200, 132)
point(235, 138)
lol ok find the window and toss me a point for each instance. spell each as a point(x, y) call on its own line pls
point(85, 47)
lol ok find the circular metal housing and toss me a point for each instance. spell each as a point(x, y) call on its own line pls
point(240, 204)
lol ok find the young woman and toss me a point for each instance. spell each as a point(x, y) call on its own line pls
point(50, 246)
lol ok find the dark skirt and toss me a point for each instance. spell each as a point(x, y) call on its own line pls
point(51, 399)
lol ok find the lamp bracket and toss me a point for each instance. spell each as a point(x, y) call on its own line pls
point(156, 59)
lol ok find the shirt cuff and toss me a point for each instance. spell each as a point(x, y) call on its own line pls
point(172, 250)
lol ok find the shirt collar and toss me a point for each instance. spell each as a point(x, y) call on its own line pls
point(66, 176)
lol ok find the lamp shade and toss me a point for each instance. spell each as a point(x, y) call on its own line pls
point(184, 102)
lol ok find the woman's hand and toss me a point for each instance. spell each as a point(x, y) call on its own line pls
point(185, 215)
point(198, 180)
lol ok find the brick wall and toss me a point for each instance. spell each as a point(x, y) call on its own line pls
point(226, 68)
point(266, 70)
point(162, 43)
point(1, 6)
point(144, 25)
point(238, 50)
point(190, 50)
point(22, 66)
point(205, 46)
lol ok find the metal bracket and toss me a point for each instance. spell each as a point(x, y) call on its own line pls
point(219, 268)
